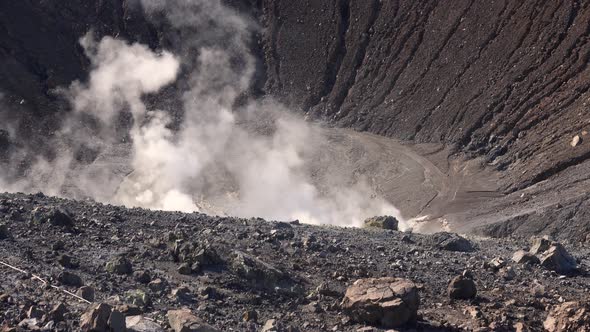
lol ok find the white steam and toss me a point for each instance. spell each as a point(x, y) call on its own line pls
point(253, 161)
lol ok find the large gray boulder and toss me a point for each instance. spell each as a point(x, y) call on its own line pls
point(255, 270)
point(451, 242)
point(557, 259)
point(119, 265)
point(389, 302)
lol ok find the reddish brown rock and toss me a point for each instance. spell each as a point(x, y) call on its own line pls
point(389, 302)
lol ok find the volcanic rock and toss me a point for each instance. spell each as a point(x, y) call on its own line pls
point(451, 242)
point(55, 216)
point(137, 297)
point(70, 279)
point(182, 294)
point(184, 321)
point(557, 259)
point(525, 257)
point(195, 255)
point(86, 292)
point(255, 270)
point(96, 318)
point(569, 316)
point(385, 222)
point(119, 265)
point(141, 324)
point(462, 287)
point(540, 245)
point(389, 302)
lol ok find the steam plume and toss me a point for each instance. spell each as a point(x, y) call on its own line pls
point(253, 161)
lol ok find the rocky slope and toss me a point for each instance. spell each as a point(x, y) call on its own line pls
point(239, 274)
point(502, 80)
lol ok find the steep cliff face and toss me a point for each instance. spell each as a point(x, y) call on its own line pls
point(505, 80)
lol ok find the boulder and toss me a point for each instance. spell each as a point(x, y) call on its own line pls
point(142, 324)
point(195, 255)
point(451, 242)
point(569, 316)
point(255, 270)
point(137, 297)
point(119, 265)
point(70, 279)
point(55, 216)
point(540, 245)
point(86, 292)
point(462, 287)
point(60, 217)
point(385, 222)
point(184, 321)
point(389, 302)
point(557, 259)
point(96, 318)
point(525, 257)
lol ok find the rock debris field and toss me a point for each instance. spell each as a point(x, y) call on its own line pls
point(80, 265)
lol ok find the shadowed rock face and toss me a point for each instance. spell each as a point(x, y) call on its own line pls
point(506, 80)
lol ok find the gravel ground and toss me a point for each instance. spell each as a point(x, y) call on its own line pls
point(305, 271)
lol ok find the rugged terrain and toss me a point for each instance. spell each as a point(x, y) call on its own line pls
point(469, 118)
point(503, 82)
point(301, 284)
